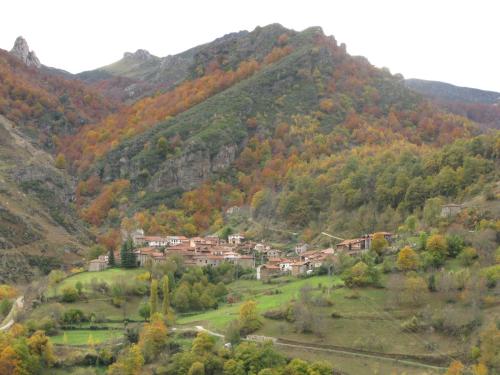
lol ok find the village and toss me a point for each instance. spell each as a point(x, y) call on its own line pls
point(211, 251)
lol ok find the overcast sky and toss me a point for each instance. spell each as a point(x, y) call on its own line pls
point(452, 41)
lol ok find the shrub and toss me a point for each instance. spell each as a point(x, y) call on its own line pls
point(437, 249)
point(455, 245)
point(361, 274)
point(274, 314)
point(468, 256)
point(69, 294)
point(73, 316)
point(412, 325)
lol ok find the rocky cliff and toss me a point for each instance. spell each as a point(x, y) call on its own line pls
point(21, 51)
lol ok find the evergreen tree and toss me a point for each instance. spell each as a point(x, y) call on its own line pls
point(111, 258)
point(128, 259)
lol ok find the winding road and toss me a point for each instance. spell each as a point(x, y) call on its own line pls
point(10, 318)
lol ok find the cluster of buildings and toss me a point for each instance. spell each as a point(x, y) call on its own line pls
point(306, 260)
point(196, 251)
point(212, 251)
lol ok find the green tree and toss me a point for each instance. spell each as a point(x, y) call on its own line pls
point(379, 243)
point(233, 332)
point(153, 297)
point(145, 311)
point(162, 146)
point(468, 256)
point(203, 344)
point(432, 211)
point(165, 306)
point(233, 367)
point(249, 317)
point(128, 259)
point(437, 249)
point(79, 287)
point(111, 258)
point(197, 368)
point(69, 294)
point(455, 245)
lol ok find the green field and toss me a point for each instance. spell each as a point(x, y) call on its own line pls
point(81, 337)
point(110, 275)
point(256, 290)
point(357, 365)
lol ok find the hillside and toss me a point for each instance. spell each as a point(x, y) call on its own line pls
point(38, 229)
point(286, 136)
point(45, 105)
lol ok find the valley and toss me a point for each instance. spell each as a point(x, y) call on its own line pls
point(265, 203)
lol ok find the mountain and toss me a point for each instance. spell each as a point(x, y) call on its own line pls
point(448, 92)
point(477, 105)
point(281, 121)
point(284, 124)
point(145, 74)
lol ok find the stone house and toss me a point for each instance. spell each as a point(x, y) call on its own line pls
point(450, 210)
point(266, 271)
point(97, 265)
point(301, 247)
point(235, 239)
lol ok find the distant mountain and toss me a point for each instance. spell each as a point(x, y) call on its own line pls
point(145, 73)
point(449, 92)
point(480, 106)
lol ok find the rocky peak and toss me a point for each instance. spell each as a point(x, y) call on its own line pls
point(22, 52)
point(140, 54)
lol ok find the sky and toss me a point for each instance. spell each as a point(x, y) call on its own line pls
point(451, 41)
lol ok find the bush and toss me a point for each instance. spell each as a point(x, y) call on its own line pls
point(69, 294)
point(455, 245)
point(274, 314)
point(468, 256)
point(73, 316)
point(361, 274)
point(492, 275)
point(412, 325)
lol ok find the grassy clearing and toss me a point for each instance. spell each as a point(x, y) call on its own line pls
point(260, 292)
point(352, 365)
point(81, 337)
point(110, 275)
point(102, 308)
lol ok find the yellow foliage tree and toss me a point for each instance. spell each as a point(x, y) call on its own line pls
point(407, 259)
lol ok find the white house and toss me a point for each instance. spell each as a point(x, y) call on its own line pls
point(235, 239)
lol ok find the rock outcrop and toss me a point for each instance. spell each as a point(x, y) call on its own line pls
point(140, 54)
point(22, 52)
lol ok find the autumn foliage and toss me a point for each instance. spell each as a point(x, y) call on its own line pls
point(35, 100)
point(95, 140)
point(100, 207)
